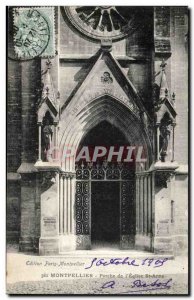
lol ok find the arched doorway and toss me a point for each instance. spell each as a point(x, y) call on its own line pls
point(105, 208)
point(76, 179)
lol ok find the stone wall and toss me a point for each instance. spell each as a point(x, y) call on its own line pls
point(181, 214)
point(13, 210)
point(23, 92)
point(180, 85)
point(179, 79)
point(14, 138)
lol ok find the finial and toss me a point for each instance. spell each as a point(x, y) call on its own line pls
point(120, 165)
point(90, 164)
point(173, 98)
point(58, 95)
point(163, 65)
point(48, 64)
point(105, 163)
point(106, 45)
point(82, 164)
point(47, 90)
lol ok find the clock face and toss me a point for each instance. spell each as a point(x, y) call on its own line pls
point(104, 22)
point(31, 33)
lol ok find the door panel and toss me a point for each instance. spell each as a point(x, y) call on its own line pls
point(105, 212)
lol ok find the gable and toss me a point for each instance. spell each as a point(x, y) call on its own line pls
point(106, 78)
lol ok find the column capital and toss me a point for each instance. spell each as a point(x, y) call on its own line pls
point(70, 175)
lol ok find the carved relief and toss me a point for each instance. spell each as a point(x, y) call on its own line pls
point(106, 78)
point(162, 178)
point(47, 136)
point(48, 179)
point(165, 132)
point(156, 96)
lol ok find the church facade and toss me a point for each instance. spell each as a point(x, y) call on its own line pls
point(97, 133)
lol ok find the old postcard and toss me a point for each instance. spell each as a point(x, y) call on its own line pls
point(97, 150)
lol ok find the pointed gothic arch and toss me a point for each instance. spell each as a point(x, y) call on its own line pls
point(74, 127)
point(104, 108)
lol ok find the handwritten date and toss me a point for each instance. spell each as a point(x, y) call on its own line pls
point(149, 262)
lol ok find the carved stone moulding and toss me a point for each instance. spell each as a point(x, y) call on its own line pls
point(47, 166)
point(164, 172)
point(162, 178)
point(70, 175)
point(48, 179)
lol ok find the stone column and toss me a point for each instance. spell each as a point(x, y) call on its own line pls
point(67, 236)
point(149, 205)
point(172, 157)
point(68, 205)
point(158, 143)
point(153, 203)
point(37, 212)
point(142, 204)
point(143, 238)
point(55, 142)
point(61, 204)
point(137, 204)
point(145, 211)
point(65, 209)
point(39, 141)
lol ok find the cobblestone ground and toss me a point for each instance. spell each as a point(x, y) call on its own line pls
point(92, 286)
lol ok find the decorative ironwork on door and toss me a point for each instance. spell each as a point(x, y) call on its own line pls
point(87, 172)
